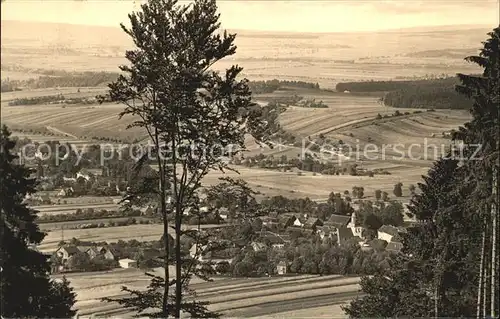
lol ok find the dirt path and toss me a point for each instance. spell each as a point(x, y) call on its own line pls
point(58, 131)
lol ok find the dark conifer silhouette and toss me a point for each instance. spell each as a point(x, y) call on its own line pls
point(450, 253)
point(26, 289)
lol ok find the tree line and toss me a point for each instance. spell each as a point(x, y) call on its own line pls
point(430, 93)
point(269, 86)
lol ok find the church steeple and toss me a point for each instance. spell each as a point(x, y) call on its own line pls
point(353, 219)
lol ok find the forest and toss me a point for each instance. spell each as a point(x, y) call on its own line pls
point(432, 93)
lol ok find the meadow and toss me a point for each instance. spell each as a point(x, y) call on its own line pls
point(147, 232)
point(287, 296)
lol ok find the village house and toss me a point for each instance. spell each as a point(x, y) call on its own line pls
point(107, 252)
point(223, 213)
point(390, 233)
point(83, 173)
point(127, 263)
point(204, 254)
point(338, 221)
point(345, 234)
point(299, 222)
point(257, 246)
point(287, 220)
point(65, 252)
point(66, 192)
point(277, 241)
point(325, 232)
point(312, 223)
point(268, 220)
point(93, 252)
point(281, 268)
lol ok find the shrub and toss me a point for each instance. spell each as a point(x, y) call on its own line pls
point(398, 190)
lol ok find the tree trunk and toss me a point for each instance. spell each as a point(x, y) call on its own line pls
point(178, 220)
point(178, 262)
point(494, 219)
point(480, 296)
point(486, 274)
point(165, 235)
point(436, 301)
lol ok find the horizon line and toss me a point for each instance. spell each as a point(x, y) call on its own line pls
point(407, 29)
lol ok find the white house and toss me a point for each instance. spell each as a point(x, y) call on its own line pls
point(387, 233)
point(64, 252)
point(127, 263)
point(258, 246)
point(297, 222)
point(281, 268)
point(65, 192)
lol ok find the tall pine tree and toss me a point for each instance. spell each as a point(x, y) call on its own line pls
point(456, 210)
point(25, 287)
point(483, 166)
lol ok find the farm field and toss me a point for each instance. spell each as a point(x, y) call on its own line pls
point(68, 92)
point(349, 118)
point(83, 122)
point(71, 208)
point(326, 58)
point(57, 226)
point(83, 200)
point(146, 232)
point(290, 184)
point(234, 297)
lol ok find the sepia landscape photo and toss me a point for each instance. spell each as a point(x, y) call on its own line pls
point(244, 158)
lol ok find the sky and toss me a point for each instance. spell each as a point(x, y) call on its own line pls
point(272, 15)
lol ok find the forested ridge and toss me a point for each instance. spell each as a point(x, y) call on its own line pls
point(432, 93)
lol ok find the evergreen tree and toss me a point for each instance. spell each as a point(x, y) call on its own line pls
point(26, 289)
point(398, 190)
point(482, 164)
point(456, 210)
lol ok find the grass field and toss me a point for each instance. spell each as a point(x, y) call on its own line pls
point(71, 208)
point(347, 115)
point(57, 226)
point(320, 186)
point(112, 234)
point(235, 297)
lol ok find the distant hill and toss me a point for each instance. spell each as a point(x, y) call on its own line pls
point(326, 58)
point(42, 34)
point(444, 28)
